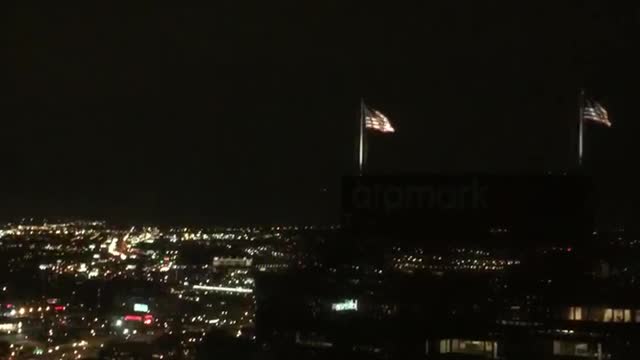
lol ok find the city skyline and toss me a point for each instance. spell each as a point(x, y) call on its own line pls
point(291, 180)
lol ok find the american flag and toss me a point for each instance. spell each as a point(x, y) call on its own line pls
point(595, 112)
point(375, 120)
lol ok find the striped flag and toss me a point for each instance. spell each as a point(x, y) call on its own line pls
point(375, 120)
point(595, 112)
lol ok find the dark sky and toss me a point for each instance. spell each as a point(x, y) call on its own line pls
point(246, 112)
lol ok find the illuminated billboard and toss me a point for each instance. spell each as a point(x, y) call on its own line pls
point(347, 305)
point(140, 307)
point(147, 319)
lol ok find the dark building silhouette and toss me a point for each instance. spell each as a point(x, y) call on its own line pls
point(522, 278)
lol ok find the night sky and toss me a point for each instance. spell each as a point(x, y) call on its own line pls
point(246, 112)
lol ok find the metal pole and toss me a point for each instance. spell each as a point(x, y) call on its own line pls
point(580, 127)
point(362, 133)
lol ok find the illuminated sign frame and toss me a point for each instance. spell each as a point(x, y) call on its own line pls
point(140, 307)
point(346, 305)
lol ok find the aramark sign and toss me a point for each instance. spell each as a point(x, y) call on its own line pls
point(389, 197)
point(536, 206)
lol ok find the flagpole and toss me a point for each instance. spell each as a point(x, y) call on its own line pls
point(361, 153)
point(580, 127)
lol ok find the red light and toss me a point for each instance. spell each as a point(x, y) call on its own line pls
point(9, 306)
point(59, 308)
point(148, 319)
point(132, 318)
point(569, 249)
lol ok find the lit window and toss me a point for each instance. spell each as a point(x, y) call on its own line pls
point(575, 313)
point(445, 347)
point(582, 349)
point(471, 347)
point(618, 315)
point(570, 348)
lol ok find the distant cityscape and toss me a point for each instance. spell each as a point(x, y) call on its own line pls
point(87, 289)
point(70, 288)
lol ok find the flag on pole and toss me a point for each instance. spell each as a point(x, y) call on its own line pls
point(595, 112)
point(375, 120)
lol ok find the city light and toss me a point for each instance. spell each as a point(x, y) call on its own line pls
point(140, 307)
point(133, 318)
point(222, 289)
point(346, 305)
